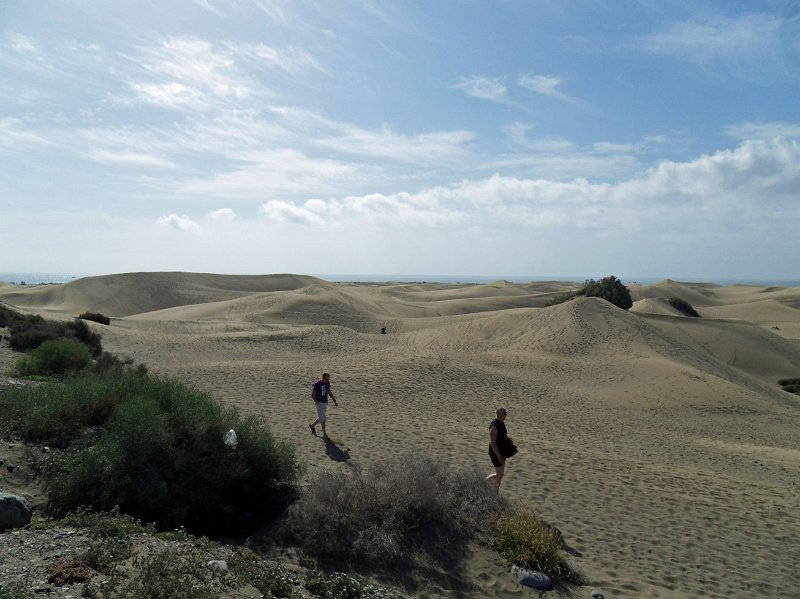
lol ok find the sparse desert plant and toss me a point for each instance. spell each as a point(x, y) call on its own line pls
point(410, 505)
point(347, 586)
point(95, 317)
point(561, 298)
point(55, 357)
point(167, 574)
point(9, 590)
point(683, 307)
point(791, 385)
point(272, 579)
point(523, 539)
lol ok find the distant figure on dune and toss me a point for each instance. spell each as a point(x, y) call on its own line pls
point(320, 393)
point(500, 446)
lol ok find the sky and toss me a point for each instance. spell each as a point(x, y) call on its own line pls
point(532, 138)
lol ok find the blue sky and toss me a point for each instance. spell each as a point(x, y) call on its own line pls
point(507, 137)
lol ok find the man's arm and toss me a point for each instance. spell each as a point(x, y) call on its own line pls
point(330, 393)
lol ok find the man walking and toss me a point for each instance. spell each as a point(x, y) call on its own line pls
point(320, 393)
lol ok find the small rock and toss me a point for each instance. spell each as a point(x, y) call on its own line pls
point(597, 595)
point(217, 565)
point(15, 511)
point(532, 578)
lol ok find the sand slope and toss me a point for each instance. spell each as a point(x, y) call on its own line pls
point(660, 445)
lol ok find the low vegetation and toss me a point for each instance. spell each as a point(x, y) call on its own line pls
point(142, 448)
point(790, 385)
point(391, 514)
point(609, 288)
point(96, 317)
point(153, 447)
point(522, 538)
point(29, 331)
point(683, 307)
point(55, 357)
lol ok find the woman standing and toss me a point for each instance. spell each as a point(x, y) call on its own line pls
point(499, 441)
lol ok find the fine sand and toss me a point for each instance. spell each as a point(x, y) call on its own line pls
point(660, 445)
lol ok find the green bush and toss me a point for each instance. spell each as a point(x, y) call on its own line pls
point(62, 409)
point(95, 317)
point(683, 307)
point(794, 388)
point(401, 508)
point(161, 458)
point(794, 381)
point(28, 331)
point(55, 357)
point(609, 288)
point(81, 331)
point(525, 540)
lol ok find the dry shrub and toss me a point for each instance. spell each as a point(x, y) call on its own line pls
point(397, 510)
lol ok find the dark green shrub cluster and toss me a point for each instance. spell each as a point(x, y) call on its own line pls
point(29, 331)
point(790, 385)
point(160, 454)
point(683, 307)
point(55, 357)
point(95, 317)
point(523, 539)
point(383, 517)
point(609, 288)
point(62, 410)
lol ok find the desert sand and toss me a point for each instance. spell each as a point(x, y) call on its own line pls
point(660, 445)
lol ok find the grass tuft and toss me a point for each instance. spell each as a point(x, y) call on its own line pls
point(523, 539)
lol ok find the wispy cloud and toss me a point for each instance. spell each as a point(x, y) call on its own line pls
point(762, 130)
point(131, 159)
point(485, 88)
point(751, 41)
point(546, 85)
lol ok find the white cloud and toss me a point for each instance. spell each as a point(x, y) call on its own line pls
point(749, 39)
point(547, 85)
point(180, 223)
point(714, 190)
point(280, 211)
point(479, 86)
point(292, 60)
point(133, 159)
point(762, 130)
point(223, 215)
point(20, 44)
point(189, 74)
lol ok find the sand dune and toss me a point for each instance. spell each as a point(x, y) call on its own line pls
point(661, 445)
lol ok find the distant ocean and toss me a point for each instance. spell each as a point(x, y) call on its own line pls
point(38, 278)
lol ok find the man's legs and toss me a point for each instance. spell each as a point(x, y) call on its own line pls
point(497, 476)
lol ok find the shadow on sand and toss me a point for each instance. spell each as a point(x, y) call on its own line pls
point(334, 452)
